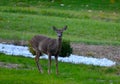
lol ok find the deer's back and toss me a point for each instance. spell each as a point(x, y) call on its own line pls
point(35, 41)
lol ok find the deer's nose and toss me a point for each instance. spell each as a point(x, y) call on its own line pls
point(59, 35)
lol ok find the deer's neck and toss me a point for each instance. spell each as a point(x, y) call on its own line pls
point(59, 41)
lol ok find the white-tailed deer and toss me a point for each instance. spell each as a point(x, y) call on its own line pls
point(51, 47)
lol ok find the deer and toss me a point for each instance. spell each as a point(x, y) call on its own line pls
point(44, 45)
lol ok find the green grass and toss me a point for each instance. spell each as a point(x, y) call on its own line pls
point(21, 20)
point(69, 73)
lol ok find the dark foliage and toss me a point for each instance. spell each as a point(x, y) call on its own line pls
point(66, 49)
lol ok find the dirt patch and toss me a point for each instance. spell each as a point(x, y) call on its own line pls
point(16, 42)
point(99, 51)
point(9, 65)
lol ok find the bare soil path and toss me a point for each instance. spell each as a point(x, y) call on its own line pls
point(99, 51)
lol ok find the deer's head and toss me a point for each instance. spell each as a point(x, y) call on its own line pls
point(59, 31)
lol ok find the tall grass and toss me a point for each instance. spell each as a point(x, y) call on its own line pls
point(69, 5)
point(13, 25)
point(96, 15)
point(24, 19)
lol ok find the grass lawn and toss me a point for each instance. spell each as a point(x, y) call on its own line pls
point(27, 73)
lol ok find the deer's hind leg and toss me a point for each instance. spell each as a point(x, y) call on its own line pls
point(38, 54)
point(49, 63)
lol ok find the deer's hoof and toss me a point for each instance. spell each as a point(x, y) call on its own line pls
point(49, 71)
point(41, 71)
point(57, 73)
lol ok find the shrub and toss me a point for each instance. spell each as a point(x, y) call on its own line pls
point(66, 49)
point(31, 49)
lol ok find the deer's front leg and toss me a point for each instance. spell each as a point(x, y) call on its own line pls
point(37, 62)
point(49, 64)
point(56, 60)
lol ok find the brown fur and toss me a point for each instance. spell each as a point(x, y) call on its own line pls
point(44, 44)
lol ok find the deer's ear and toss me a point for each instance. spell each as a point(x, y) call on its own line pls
point(54, 28)
point(65, 28)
